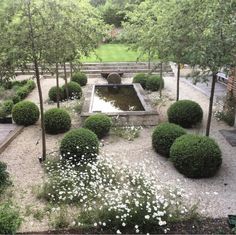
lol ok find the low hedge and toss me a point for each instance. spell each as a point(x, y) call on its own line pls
point(80, 78)
point(185, 113)
point(25, 113)
point(154, 83)
point(79, 145)
point(100, 124)
point(164, 136)
point(4, 176)
point(74, 90)
point(141, 78)
point(196, 156)
point(57, 121)
point(6, 108)
point(52, 94)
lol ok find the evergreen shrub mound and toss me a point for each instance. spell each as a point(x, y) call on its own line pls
point(25, 113)
point(141, 78)
point(57, 121)
point(4, 176)
point(164, 136)
point(52, 94)
point(154, 83)
point(100, 124)
point(8, 106)
point(16, 99)
point(9, 219)
point(79, 145)
point(74, 90)
point(196, 156)
point(80, 78)
point(185, 113)
point(114, 78)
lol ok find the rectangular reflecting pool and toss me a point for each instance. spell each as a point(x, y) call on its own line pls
point(126, 104)
point(118, 98)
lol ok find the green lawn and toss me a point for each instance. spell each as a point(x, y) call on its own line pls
point(113, 53)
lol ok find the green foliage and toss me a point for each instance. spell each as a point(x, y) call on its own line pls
point(141, 78)
point(16, 99)
point(185, 113)
point(9, 219)
point(53, 94)
point(100, 124)
point(114, 78)
point(79, 145)
point(154, 83)
point(164, 136)
point(24, 90)
point(74, 90)
point(4, 176)
point(25, 113)
point(8, 105)
point(56, 121)
point(80, 78)
point(196, 156)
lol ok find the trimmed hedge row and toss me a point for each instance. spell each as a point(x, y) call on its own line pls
point(149, 82)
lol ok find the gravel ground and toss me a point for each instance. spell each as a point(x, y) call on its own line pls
point(216, 196)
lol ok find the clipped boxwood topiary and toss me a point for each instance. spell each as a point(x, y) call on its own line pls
point(74, 90)
point(57, 121)
point(53, 94)
point(79, 145)
point(185, 113)
point(114, 78)
point(154, 83)
point(141, 78)
point(164, 136)
point(196, 156)
point(100, 124)
point(4, 176)
point(80, 78)
point(25, 113)
point(8, 106)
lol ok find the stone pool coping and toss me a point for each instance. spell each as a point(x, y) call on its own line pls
point(149, 117)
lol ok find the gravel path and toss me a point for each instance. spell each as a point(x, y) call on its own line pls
point(216, 195)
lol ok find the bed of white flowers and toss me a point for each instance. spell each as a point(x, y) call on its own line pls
point(127, 132)
point(111, 197)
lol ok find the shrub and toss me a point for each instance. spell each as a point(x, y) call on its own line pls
point(164, 136)
point(196, 156)
point(30, 84)
point(56, 121)
point(22, 92)
point(25, 113)
point(79, 144)
point(114, 78)
point(4, 176)
point(8, 105)
point(9, 219)
point(154, 83)
point(16, 99)
point(140, 78)
point(53, 94)
point(185, 113)
point(80, 78)
point(74, 90)
point(100, 124)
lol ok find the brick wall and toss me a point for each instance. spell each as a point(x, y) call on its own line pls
point(232, 82)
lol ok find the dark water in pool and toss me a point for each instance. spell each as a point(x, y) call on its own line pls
point(116, 99)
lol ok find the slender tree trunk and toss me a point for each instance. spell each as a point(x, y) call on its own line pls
point(178, 78)
point(71, 69)
point(66, 83)
point(36, 66)
point(213, 83)
point(161, 75)
point(58, 91)
point(149, 60)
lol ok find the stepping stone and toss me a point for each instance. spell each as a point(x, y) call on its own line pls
point(230, 136)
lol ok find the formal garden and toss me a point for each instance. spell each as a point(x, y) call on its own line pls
point(111, 141)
